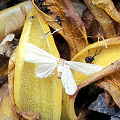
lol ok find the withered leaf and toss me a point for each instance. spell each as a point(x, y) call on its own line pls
point(6, 109)
point(3, 74)
point(93, 28)
point(3, 92)
point(104, 20)
point(109, 100)
point(111, 84)
point(28, 115)
point(15, 25)
point(73, 28)
point(3, 60)
point(87, 18)
point(11, 76)
point(7, 14)
point(6, 42)
point(109, 8)
point(7, 46)
point(117, 24)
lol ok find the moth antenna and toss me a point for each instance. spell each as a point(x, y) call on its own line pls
point(46, 34)
point(98, 39)
point(97, 53)
point(88, 52)
point(100, 36)
point(105, 41)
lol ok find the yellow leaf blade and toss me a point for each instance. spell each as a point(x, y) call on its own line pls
point(106, 57)
point(32, 93)
point(73, 29)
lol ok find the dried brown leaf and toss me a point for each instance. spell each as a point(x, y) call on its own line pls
point(3, 92)
point(73, 28)
point(93, 28)
point(3, 70)
point(9, 37)
point(109, 8)
point(87, 18)
point(6, 43)
point(4, 74)
point(11, 76)
point(109, 100)
point(15, 25)
point(117, 24)
point(6, 109)
point(29, 115)
point(104, 20)
point(7, 14)
point(111, 84)
point(3, 60)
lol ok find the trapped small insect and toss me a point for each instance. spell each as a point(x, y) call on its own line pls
point(42, 7)
point(45, 63)
point(90, 59)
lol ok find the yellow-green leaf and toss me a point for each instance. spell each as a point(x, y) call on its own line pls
point(30, 92)
point(104, 58)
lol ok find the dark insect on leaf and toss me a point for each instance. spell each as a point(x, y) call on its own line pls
point(89, 59)
point(40, 2)
point(59, 20)
point(31, 17)
point(42, 7)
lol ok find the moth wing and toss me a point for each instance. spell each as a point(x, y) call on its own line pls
point(68, 80)
point(84, 68)
point(44, 70)
point(35, 54)
point(45, 63)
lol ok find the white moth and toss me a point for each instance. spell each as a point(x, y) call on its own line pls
point(45, 63)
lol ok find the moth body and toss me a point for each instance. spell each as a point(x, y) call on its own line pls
point(45, 63)
point(60, 67)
